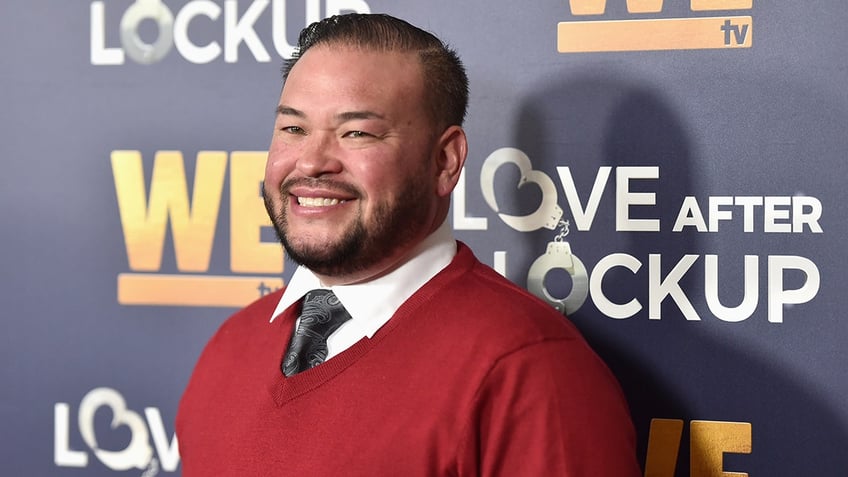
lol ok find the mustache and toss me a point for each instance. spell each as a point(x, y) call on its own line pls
point(319, 182)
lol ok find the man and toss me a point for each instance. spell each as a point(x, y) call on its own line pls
point(436, 365)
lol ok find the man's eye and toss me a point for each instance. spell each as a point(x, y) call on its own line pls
point(292, 129)
point(357, 134)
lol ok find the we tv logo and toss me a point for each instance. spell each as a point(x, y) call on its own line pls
point(255, 266)
point(643, 30)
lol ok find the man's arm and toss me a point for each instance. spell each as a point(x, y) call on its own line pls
point(550, 409)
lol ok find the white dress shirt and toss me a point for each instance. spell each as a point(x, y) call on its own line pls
point(373, 303)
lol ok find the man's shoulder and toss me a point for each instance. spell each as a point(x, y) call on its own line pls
point(476, 279)
point(257, 313)
point(242, 330)
point(478, 296)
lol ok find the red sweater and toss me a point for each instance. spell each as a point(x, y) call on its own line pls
point(472, 376)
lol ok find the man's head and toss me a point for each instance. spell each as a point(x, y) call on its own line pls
point(367, 145)
point(446, 84)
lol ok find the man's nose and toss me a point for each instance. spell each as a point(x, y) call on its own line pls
point(319, 156)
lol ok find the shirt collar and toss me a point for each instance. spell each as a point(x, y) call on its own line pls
point(375, 301)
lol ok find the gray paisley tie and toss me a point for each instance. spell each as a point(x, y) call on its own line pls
point(321, 315)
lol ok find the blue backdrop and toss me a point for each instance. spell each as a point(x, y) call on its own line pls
point(669, 173)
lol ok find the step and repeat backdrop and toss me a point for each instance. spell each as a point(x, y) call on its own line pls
point(669, 174)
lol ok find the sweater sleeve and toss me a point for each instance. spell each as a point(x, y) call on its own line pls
point(550, 408)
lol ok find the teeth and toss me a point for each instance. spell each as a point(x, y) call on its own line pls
point(317, 201)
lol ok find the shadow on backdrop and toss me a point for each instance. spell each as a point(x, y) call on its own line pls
point(669, 368)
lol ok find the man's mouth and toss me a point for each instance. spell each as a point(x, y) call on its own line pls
point(317, 201)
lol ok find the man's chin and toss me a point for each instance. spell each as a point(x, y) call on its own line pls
point(322, 256)
point(311, 252)
point(327, 265)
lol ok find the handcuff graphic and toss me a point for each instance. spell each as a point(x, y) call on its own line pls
point(548, 215)
point(558, 255)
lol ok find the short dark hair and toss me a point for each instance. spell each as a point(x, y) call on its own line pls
point(445, 80)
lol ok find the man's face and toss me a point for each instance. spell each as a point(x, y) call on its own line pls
point(351, 172)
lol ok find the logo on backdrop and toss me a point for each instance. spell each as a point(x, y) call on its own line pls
point(709, 441)
point(645, 30)
point(99, 437)
point(112, 42)
point(798, 214)
point(255, 266)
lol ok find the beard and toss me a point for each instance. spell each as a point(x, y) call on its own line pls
point(395, 226)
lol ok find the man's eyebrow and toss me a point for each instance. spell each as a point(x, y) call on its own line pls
point(341, 117)
point(287, 111)
point(354, 115)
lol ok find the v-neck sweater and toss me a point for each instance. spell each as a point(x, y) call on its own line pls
point(472, 376)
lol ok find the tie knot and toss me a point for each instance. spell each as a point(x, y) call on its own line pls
point(320, 306)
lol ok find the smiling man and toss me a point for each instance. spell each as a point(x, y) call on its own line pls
point(392, 351)
point(356, 175)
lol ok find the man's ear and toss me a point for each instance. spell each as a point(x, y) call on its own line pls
point(452, 151)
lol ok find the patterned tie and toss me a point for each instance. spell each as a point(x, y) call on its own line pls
point(322, 314)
